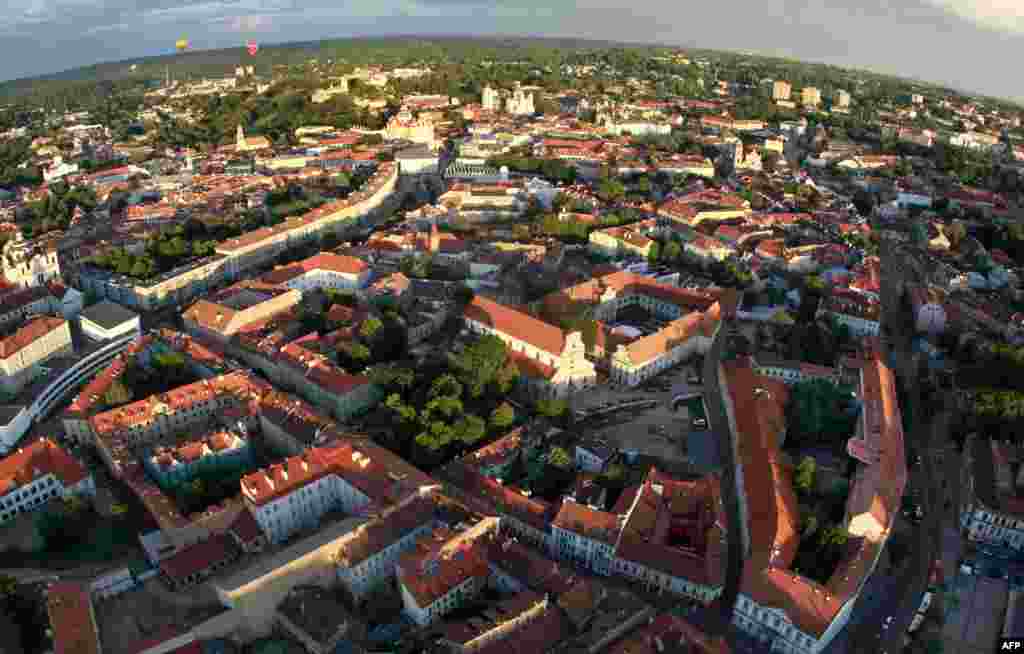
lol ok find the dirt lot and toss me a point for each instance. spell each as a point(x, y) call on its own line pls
point(127, 619)
point(657, 431)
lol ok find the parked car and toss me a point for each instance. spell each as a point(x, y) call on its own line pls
point(699, 423)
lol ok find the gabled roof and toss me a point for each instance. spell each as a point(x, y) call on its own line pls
point(36, 459)
point(71, 616)
point(29, 333)
point(516, 324)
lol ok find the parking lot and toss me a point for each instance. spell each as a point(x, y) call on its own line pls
point(658, 430)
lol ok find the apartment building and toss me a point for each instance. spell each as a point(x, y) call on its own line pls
point(347, 476)
point(783, 610)
point(201, 359)
point(324, 270)
point(443, 571)
point(36, 473)
point(791, 372)
point(223, 315)
point(17, 305)
point(620, 241)
point(299, 366)
point(172, 288)
point(369, 554)
point(23, 352)
point(553, 361)
point(859, 312)
point(484, 202)
point(117, 431)
point(781, 90)
point(261, 246)
point(585, 536)
point(668, 633)
point(993, 512)
point(810, 96)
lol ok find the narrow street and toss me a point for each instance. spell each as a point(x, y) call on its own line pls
point(719, 424)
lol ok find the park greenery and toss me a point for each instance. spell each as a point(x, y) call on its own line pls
point(24, 621)
point(56, 208)
point(819, 413)
point(551, 169)
point(439, 411)
point(991, 365)
point(164, 252)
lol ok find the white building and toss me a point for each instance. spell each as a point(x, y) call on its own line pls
point(491, 99)
point(553, 361)
point(108, 320)
point(446, 569)
point(37, 473)
point(993, 512)
point(324, 270)
point(294, 494)
point(371, 552)
point(23, 352)
point(520, 103)
point(30, 263)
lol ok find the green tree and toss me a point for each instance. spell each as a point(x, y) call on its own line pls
point(370, 327)
point(818, 411)
point(654, 253)
point(445, 386)
point(672, 252)
point(803, 480)
point(117, 394)
point(503, 416)
point(506, 378)
point(552, 408)
point(470, 429)
point(359, 352)
point(478, 364)
point(8, 586)
point(559, 458)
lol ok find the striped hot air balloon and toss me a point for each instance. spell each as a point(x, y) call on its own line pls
point(252, 47)
point(181, 45)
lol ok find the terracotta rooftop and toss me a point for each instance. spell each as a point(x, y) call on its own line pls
point(378, 473)
point(669, 634)
point(35, 460)
point(439, 562)
point(516, 324)
point(585, 521)
point(72, 619)
point(198, 557)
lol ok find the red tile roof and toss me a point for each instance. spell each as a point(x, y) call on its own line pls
point(36, 459)
point(375, 471)
point(198, 557)
point(29, 333)
point(585, 521)
point(72, 619)
point(669, 633)
point(516, 324)
point(441, 561)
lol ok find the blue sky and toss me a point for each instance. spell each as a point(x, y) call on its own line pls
point(968, 44)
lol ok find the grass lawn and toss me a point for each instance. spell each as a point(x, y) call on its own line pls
point(107, 540)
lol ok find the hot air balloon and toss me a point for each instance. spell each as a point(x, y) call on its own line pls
point(252, 47)
point(181, 45)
